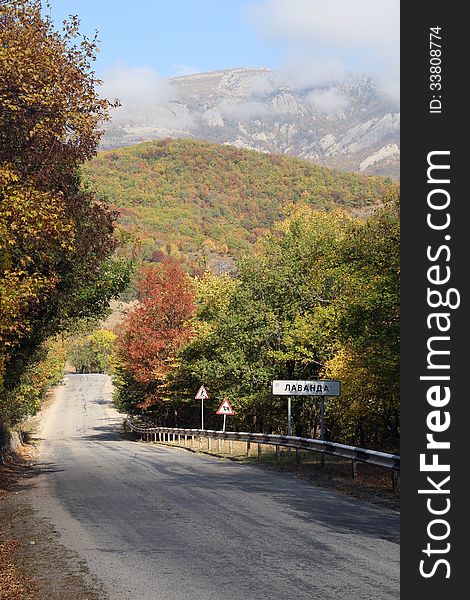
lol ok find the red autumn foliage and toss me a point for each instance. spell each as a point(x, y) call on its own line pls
point(157, 327)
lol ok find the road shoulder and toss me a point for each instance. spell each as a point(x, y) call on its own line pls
point(34, 565)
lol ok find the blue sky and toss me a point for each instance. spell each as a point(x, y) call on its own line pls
point(309, 41)
point(172, 36)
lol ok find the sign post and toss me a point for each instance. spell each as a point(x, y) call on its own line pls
point(290, 388)
point(225, 409)
point(202, 395)
point(322, 419)
point(289, 416)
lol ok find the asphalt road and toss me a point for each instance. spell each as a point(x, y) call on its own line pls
point(157, 523)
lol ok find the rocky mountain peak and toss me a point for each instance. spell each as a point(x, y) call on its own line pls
point(346, 125)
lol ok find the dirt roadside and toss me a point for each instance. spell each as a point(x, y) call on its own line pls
point(34, 565)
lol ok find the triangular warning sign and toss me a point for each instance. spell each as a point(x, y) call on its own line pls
point(202, 394)
point(225, 409)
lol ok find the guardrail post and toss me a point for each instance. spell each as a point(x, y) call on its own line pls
point(208, 443)
point(297, 456)
point(230, 445)
point(218, 444)
point(248, 448)
point(277, 454)
point(192, 441)
point(259, 450)
point(354, 468)
point(392, 472)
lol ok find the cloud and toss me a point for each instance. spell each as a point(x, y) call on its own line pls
point(146, 99)
point(264, 83)
point(141, 91)
point(302, 71)
point(356, 36)
point(328, 101)
point(242, 110)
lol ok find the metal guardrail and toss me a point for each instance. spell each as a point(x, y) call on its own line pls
point(381, 459)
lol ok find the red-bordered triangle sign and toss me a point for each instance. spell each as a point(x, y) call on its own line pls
point(225, 409)
point(201, 394)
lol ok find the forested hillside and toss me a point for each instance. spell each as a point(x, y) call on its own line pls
point(209, 201)
point(318, 297)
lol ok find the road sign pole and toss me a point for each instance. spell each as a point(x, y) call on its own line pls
point(202, 395)
point(225, 409)
point(289, 416)
point(322, 419)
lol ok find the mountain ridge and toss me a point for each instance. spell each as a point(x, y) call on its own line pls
point(347, 125)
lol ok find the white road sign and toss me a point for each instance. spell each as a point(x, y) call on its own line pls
point(225, 409)
point(201, 394)
point(306, 388)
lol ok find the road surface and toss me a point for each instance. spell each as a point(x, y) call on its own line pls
point(158, 523)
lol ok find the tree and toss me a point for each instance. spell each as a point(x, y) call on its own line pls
point(264, 325)
point(320, 298)
point(56, 240)
point(92, 353)
point(365, 331)
point(153, 332)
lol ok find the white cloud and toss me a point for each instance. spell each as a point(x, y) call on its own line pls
point(242, 110)
point(328, 101)
point(263, 84)
point(348, 35)
point(146, 99)
point(140, 90)
point(302, 72)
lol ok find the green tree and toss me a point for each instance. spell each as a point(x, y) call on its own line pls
point(267, 325)
point(365, 331)
point(319, 298)
point(93, 353)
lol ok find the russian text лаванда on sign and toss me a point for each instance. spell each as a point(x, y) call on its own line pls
point(306, 388)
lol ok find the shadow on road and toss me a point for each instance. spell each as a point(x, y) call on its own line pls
point(100, 401)
point(107, 433)
point(342, 514)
